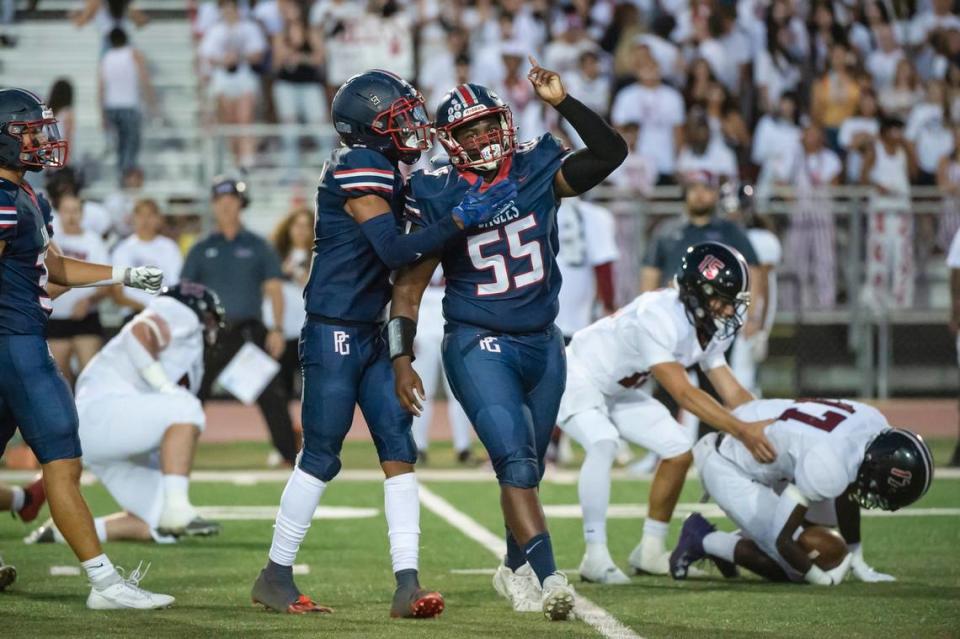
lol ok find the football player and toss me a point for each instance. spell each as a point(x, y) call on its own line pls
point(660, 334)
point(140, 418)
point(835, 453)
point(33, 394)
point(381, 122)
point(502, 353)
point(24, 502)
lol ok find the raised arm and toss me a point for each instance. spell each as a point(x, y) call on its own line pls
point(402, 329)
point(673, 377)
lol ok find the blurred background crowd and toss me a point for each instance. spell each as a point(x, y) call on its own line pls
point(833, 125)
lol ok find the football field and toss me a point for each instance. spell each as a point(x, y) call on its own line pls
point(345, 564)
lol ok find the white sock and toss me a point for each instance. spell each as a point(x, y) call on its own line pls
point(598, 552)
point(19, 497)
point(100, 523)
point(175, 490)
point(655, 533)
point(100, 571)
point(721, 544)
point(594, 490)
point(401, 505)
point(297, 505)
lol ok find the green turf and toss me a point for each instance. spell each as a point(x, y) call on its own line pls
point(350, 571)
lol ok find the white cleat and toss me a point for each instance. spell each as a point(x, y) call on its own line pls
point(650, 560)
point(174, 521)
point(520, 588)
point(602, 571)
point(558, 598)
point(127, 594)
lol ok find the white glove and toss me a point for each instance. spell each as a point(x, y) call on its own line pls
point(148, 278)
point(833, 577)
point(862, 571)
point(837, 574)
point(157, 377)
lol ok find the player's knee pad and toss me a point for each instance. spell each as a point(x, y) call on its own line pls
point(322, 463)
point(519, 472)
point(603, 448)
point(190, 411)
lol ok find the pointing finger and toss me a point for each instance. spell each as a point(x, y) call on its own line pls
point(533, 61)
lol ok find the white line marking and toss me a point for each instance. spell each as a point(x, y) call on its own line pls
point(269, 513)
point(491, 571)
point(64, 571)
point(601, 620)
point(631, 511)
point(301, 569)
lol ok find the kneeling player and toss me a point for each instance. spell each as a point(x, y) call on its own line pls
point(661, 333)
point(842, 452)
point(140, 417)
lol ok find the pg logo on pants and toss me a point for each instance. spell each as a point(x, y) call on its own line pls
point(341, 342)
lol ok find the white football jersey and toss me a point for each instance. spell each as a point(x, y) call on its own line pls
point(587, 234)
point(112, 371)
point(617, 352)
point(820, 443)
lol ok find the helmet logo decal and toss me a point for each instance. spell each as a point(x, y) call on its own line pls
point(899, 478)
point(711, 267)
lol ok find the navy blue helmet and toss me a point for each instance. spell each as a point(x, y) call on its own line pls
point(381, 111)
point(29, 136)
point(897, 470)
point(202, 301)
point(713, 277)
point(477, 149)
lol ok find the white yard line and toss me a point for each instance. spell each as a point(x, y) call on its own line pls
point(635, 511)
point(592, 614)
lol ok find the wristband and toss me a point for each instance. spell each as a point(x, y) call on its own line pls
point(154, 375)
point(401, 332)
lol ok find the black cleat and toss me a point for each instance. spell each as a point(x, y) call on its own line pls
point(413, 602)
point(42, 535)
point(274, 589)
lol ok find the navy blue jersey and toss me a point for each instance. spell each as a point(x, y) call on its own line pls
point(25, 228)
point(348, 281)
point(502, 275)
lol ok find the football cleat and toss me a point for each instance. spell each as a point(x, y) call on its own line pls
point(416, 603)
point(127, 594)
point(8, 575)
point(304, 605)
point(200, 527)
point(36, 497)
point(690, 545)
point(519, 587)
point(177, 522)
point(281, 595)
point(558, 597)
point(649, 559)
point(42, 535)
point(601, 571)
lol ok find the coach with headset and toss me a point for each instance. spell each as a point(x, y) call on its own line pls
point(243, 268)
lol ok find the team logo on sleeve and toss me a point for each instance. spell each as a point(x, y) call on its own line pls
point(711, 267)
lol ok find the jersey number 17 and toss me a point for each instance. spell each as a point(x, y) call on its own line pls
point(827, 422)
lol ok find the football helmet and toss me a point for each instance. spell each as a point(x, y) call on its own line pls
point(710, 277)
point(202, 301)
point(381, 111)
point(896, 471)
point(469, 103)
point(23, 114)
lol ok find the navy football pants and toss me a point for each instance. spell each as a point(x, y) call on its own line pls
point(510, 387)
point(344, 366)
point(35, 397)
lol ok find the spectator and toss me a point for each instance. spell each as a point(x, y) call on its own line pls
point(663, 50)
point(293, 240)
point(835, 94)
point(776, 70)
point(727, 50)
point(120, 204)
point(928, 131)
point(74, 327)
point(953, 92)
point(938, 17)
point(61, 103)
point(297, 64)
point(230, 48)
point(703, 152)
point(811, 248)
point(948, 181)
point(516, 90)
point(562, 54)
point(897, 99)
point(438, 73)
point(638, 172)
point(620, 37)
point(590, 85)
point(146, 246)
point(824, 31)
point(244, 269)
point(697, 84)
point(870, 15)
point(888, 167)
point(124, 82)
point(882, 62)
point(726, 123)
point(110, 15)
point(776, 136)
point(859, 132)
point(660, 108)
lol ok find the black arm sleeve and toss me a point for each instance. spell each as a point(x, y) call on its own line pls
point(397, 249)
point(605, 151)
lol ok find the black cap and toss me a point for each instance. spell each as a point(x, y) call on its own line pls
point(223, 185)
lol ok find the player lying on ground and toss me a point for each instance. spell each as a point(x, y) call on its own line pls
point(33, 394)
point(837, 451)
point(140, 418)
point(502, 353)
point(381, 122)
point(660, 334)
